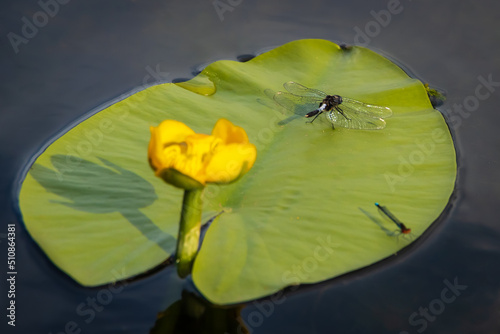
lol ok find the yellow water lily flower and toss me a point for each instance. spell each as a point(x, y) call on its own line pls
point(189, 160)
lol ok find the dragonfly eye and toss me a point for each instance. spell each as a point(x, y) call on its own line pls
point(337, 99)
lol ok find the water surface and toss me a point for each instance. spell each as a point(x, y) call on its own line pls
point(91, 52)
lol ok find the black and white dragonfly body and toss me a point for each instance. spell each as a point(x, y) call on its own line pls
point(341, 111)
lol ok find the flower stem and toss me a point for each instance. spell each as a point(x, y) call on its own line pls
point(189, 231)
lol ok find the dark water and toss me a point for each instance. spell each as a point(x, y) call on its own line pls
point(90, 52)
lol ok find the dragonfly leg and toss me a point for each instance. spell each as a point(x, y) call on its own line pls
point(342, 113)
point(315, 117)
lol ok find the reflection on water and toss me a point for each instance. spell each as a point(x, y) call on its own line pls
point(192, 314)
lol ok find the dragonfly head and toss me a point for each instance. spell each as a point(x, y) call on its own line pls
point(333, 100)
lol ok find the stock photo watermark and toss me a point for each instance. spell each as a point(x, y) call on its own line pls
point(31, 26)
point(223, 6)
point(263, 137)
point(381, 19)
point(462, 111)
point(87, 310)
point(156, 74)
point(408, 163)
point(93, 138)
point(425, 148)
point(11, 274)
point(436, 307)
point(324, 249)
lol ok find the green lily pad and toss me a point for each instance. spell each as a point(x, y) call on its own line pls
point(303, 214)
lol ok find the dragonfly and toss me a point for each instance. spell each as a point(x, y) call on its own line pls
point(341, 111)
point(386, 213)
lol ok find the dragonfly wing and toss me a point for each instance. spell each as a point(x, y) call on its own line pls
point(301, 90)
point(299, 105)
point(355, 119)
point(367, 109)
point(269, 93)
point(359, 115)
point(270, 102)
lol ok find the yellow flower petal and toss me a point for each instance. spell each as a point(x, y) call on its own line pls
point(171, 131)
point(230, 162)
point(189, 160)
point(167, 133)
point(194, 159)
point(229, 133)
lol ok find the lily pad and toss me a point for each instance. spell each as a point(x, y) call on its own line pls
point(303, 214)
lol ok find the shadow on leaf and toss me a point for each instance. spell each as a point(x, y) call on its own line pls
point(93, 188)
point(377, 221)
